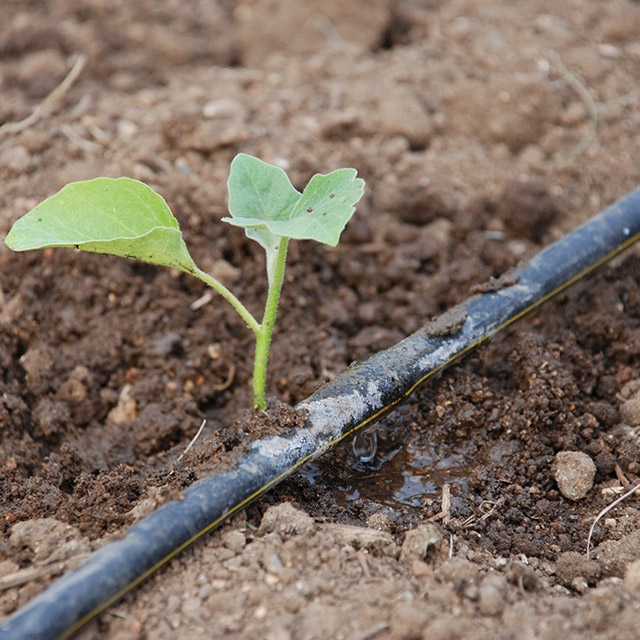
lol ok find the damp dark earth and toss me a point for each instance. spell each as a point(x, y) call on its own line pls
point(484, 131)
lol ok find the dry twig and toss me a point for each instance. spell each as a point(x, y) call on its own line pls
point(193, 440)
point(604, 513)
point(592, 107)
point(446, 503)
point(51, 569)
point(45, 107)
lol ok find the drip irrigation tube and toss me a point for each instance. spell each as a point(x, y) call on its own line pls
point(364, 393)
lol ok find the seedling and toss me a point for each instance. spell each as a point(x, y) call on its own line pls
point(125, 217)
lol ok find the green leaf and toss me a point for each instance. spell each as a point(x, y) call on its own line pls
point(120, 217)
point(257, 192)
point(327, 204)
point(263, 201)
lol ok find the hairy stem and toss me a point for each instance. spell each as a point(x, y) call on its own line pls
point(263, 336)
point(245, 314)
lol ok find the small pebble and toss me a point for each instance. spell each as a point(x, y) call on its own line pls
point(270, 579)
point(573, 569)
point(261, 612)
point(273, 564)
point(226, 108)
point(632, 578)
point(7, 567)
point(408, 619)
point(380, 521)
point(458, 571)
point(366, 313)
point(126, 410)
point(580, 585)
point(49, 539)
point(420, 569)
point(286, 520)
point(234, 540)
point(533, 156)
point(492, 594)
point(191, 606)
point(574, 472)
point(418, 541)
point(15, 159)
point(630, 411)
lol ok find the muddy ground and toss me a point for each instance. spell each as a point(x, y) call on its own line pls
point(484, 130)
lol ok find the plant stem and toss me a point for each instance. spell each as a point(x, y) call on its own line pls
point(263, 336)
point(262, 331)
point(245, 314)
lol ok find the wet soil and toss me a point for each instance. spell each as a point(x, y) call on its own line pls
point(484, 130)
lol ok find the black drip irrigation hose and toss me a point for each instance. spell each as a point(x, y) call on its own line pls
point(365, 392)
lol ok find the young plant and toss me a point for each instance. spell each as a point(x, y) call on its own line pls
point(125, 217)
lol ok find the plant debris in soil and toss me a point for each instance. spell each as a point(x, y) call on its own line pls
point(484, 131)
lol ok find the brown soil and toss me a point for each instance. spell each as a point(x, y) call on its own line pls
point(484, 130)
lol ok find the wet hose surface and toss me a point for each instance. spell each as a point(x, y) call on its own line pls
point(364, 393)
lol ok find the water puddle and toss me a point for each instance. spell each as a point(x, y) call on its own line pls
point(409, 475)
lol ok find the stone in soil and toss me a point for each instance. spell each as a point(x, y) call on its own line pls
point(574, 472)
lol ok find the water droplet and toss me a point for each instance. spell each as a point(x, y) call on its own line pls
point(365, 445)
